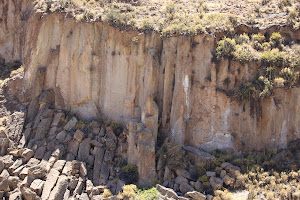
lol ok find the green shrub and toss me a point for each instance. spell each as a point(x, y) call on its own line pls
point(116, 18)
point(242, 54)
point(225, 48)
point(150, 194)
point(203, 179)
point(258, 37)
point(147, 24)
point(129, 174)
point(274, 58)
point(289, 75)
point(242, 38)
point(279, 82)
point(276, 39)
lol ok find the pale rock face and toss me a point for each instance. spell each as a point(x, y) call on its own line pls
point(104, 71)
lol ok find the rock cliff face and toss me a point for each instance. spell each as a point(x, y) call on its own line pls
point(98, 69)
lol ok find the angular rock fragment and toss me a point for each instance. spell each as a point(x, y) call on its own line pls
point(49, 183)
point(60, 188)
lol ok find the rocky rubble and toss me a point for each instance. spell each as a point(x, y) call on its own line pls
point(60, 157)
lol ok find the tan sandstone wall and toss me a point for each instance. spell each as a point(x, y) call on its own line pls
point(95, 68)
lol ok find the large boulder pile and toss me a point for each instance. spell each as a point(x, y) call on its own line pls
point(60, 156)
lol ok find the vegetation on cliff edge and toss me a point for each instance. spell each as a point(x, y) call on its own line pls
point(180, 17)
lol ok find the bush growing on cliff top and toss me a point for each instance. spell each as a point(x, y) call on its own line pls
point(225, 48)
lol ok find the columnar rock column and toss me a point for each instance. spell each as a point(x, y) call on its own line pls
point(150, 116)
point(141, 151)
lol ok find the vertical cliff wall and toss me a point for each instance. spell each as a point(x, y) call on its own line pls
point(98, 69)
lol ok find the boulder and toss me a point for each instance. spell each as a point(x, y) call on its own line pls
point(200, 154)
point(97, 164)
point(43, 128)
point(167, 192)
point(73, 147)
point(196, 195)
point(13, 181)
point(59, 165)
point(110, 144)
point(57, 119)
point(180, 179)
point(184, 173)
point(84, 150)
point(185, 187)
point(60, 188)
point(209, 173)
point(71, 124)
point(28, 194)
point(61, 136)
point(216, 183)
point(4, 143)
point(49, 183)
point(16, 164)
point(37, 186)
point(14, 195)
point(227, 180)
point(39, 153)
point(79, 135)
point(27, 154)
point(38, 171)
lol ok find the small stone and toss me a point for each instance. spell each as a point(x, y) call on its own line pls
point(227, 180)
point(83, 170)
point(198, 186)
point(14, 195)
point(79, 135)
point(71, 124)
point(13, 181)
point(216, 183)
point(209, 174)
point(27, 154)
point(73, 147)
point(89, 186)
point(18, 170)
point(28, 194)
point(4, 144)
point(61, 136)
point(79, 186)
point(67, 170)
point(40, 152)
point(16, 165)
point(73, 183)
point(37, 186)
point(58, 117)
point(223, 173)
point(27, 181)
point(59, 165)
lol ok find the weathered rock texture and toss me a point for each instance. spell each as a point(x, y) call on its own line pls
point(95, 68)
